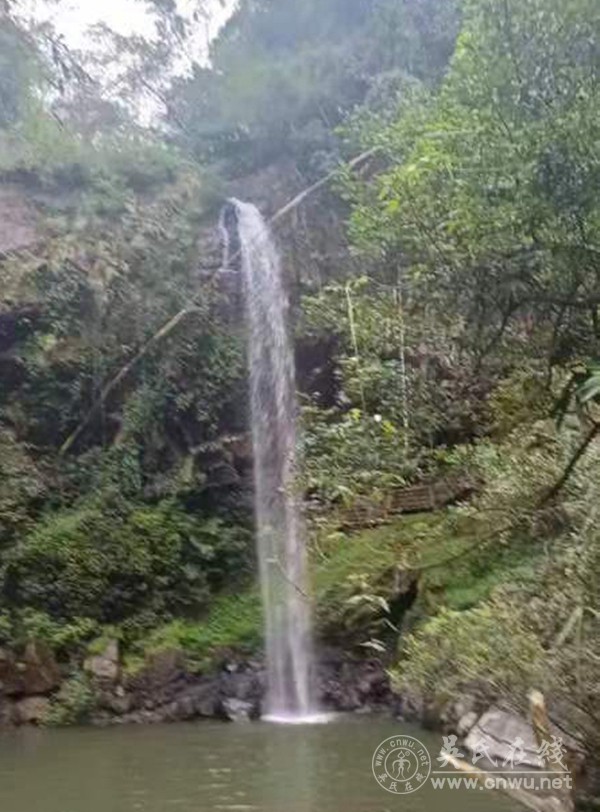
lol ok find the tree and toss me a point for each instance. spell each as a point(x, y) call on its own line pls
point(283, 75)
point(16, 70)
point(489, 193)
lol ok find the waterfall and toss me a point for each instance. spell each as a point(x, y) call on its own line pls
point(280, 536)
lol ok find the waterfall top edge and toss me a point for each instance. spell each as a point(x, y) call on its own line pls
point(235, 201)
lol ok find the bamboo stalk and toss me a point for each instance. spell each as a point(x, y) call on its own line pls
point(355, 347)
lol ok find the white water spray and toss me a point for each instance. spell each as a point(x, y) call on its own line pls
point(280, 536)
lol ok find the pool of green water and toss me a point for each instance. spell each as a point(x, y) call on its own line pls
point(205, 767)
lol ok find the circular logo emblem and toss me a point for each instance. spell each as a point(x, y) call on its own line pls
point(401, 764)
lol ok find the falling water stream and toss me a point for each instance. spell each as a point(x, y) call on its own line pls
point(280, 536)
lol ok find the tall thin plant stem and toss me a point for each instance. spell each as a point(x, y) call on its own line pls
point(399, 293)
point(354, 338)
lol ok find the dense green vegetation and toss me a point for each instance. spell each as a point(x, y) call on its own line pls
point(455, 336)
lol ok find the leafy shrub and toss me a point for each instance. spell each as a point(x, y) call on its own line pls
point(489, 643)
point(109, 564)
point(60, 637)
point(357, 454)
point(72, 705)
point(519, 400)
point(21, 488)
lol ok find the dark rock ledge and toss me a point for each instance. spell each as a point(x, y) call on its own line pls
point(165, 691)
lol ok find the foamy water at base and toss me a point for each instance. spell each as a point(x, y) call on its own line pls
point(308, 719)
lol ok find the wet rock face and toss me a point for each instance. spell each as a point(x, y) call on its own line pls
point(36, 672)
point(497, 730)
point(31, 710)
point(163, 678)
point(105, 668)
point(237, 710)
point(459, 715)
point(165, 691)
point(348, 684)
point(25, 683)
point(41, 673)
point(466, 723)
point(10, 676)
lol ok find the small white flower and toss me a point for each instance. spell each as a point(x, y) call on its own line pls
point(377, 418)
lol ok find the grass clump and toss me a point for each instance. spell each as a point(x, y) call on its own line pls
point(234, 622)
